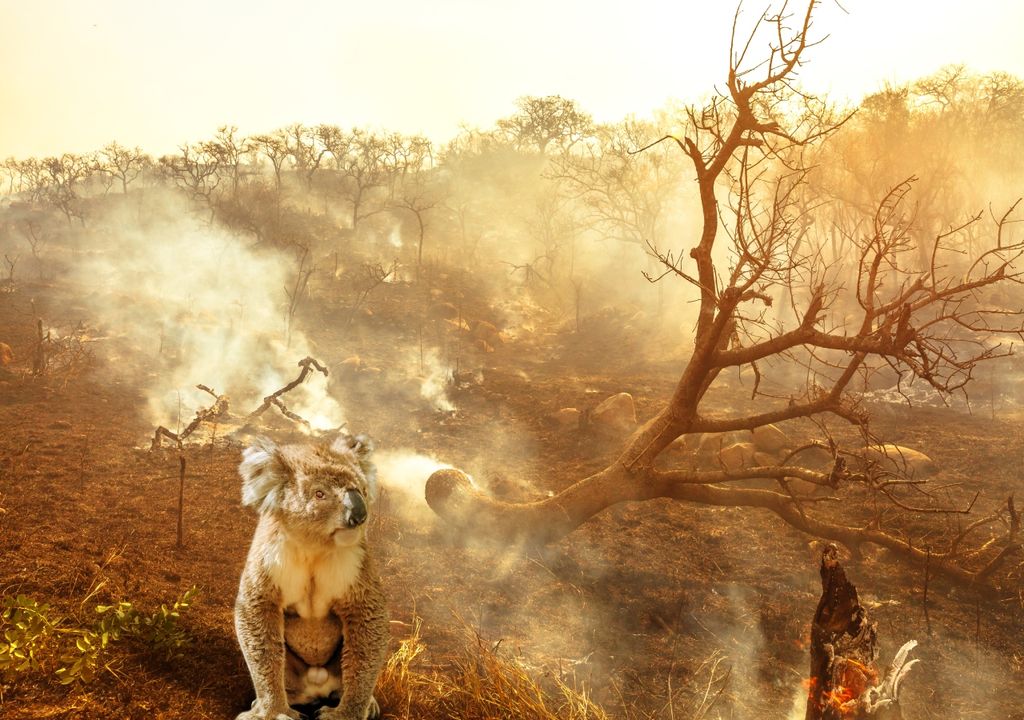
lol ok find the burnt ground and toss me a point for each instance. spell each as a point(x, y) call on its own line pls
point(647, 602)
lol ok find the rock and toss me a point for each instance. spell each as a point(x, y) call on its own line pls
point(763, 458)
point(459, 325)
point(483, 330)
point(738, 455)
point(483, 346)
point(901, 459)
point(689, 444)
point(6, 354)
point(566, 419)
point(617, 413)
point(769, 439)
point(443, 311)
point(711, 443)
point(803, 487)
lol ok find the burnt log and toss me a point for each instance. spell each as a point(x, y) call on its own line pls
point(845, 682)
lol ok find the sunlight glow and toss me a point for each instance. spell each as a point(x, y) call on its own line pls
point(80, 74)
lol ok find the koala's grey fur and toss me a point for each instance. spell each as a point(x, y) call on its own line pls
point(311, 616)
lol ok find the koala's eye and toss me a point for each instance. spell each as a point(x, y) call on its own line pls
point(319, 494)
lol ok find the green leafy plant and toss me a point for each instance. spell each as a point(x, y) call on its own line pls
point(32, 635)
point(26, 627)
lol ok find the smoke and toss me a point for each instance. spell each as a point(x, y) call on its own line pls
point(403, 475)
point(435, 379)
point(203, 306)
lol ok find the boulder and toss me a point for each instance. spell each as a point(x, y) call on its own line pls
point(6, 354)
point(483, 330)
point(566, 419)
point(617, 413)
point(689, 444)
point(901, 459)
point(736, 456)
point(769, 439)
point(443, 311)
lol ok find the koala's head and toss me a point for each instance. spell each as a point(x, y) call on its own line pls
point(321, 491)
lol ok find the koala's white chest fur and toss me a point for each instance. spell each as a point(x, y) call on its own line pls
point(311, 579)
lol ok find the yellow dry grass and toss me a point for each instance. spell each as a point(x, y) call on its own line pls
point(479, 683)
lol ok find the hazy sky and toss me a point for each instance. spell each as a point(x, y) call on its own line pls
point(79, 73)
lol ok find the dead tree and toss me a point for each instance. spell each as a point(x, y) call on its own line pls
point(371, 276)
point(297, 290)
point(931, 324)
point(307, 366)
point(219, 409)
point(11, 263)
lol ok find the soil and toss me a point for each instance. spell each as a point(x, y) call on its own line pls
point(648, 606)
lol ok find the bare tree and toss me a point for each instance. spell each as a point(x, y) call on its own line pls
point(363, 172)
point(32, 233)
point(121, 163)
point(66, 173)
point(746, 147)
point(230, 152)
point(274, 147)
point(543, 122)
point(306, 147)
point(194, 170)
point(11, 263)
point(418, 196)
point(29, 177)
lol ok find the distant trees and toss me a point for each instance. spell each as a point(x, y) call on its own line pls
point(65, 173)
point(274, 147)
point(121, 163)
point(624, 194)
point(195, 170)
point(541, 123)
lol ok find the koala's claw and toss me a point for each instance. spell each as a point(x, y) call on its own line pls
point(258, 713)
point(372, 712)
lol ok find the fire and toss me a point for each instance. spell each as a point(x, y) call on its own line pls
point(853, 680)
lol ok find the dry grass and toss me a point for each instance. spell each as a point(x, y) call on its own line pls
point(480, 683)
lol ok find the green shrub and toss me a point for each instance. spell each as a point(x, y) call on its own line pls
point(33, 638)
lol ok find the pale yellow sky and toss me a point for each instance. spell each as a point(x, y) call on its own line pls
point(76, 74)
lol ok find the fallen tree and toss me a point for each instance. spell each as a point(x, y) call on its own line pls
point(881, 307)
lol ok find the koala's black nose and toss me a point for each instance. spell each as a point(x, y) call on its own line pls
point(355, 508)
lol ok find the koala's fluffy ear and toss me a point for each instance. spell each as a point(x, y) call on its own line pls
point(263, 475)
point(361, 446)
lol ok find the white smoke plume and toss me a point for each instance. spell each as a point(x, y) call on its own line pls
point(206, 307)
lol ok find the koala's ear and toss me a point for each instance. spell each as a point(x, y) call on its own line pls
point(263, 475)
point(362, 447)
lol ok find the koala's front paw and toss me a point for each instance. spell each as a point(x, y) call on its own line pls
point(372, 712)
point(258, 712)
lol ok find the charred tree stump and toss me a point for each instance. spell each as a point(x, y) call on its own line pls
point(845, 682)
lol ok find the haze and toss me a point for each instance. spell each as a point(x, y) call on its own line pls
point(79, 74)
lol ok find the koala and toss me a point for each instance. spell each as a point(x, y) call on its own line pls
point(311, 616)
